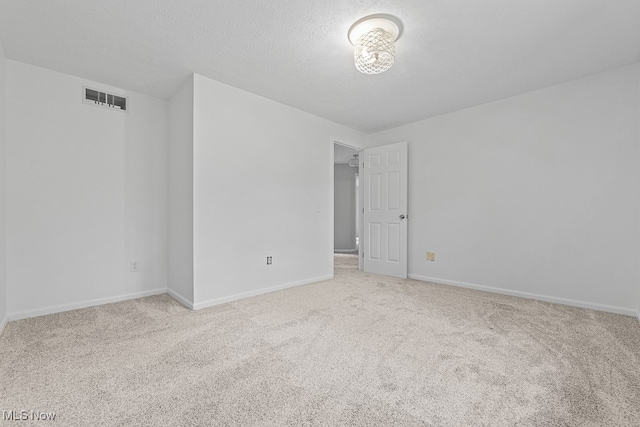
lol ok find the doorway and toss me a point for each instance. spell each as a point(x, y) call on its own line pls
point(347, 203)
point(380, 202)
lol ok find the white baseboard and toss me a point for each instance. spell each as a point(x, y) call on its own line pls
point(575, 303)
point(344, 251)
point(74, 306)
point(244, 295)
point(182, 300)
point(3, 323)
point(638, 315)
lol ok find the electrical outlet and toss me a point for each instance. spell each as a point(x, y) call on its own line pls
point(431, 256)
point(269, 260)
point(134, 266)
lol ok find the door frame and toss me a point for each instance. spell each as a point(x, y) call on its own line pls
point(332, 202)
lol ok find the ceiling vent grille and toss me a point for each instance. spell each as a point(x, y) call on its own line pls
point(104, 99)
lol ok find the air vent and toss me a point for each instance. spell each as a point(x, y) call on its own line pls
point(103, 99)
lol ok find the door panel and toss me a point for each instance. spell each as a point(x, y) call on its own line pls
point(374, 193)
point(374, 160)
point(374, 240)
point(393, 231)
point(393, 183)
point(385, 201)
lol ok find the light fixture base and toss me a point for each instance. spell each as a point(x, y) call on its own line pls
point(388, 23)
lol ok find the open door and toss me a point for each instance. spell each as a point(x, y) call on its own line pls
point(384, 175)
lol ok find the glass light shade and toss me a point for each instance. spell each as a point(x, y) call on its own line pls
point(374, 52)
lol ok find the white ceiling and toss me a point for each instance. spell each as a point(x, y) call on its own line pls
point(342, 154)
point(453, 53)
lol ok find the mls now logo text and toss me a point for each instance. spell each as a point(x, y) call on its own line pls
point(28, 415)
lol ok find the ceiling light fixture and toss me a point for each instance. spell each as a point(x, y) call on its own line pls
point(373, 37)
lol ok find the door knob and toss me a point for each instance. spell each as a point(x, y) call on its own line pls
point(402, 217)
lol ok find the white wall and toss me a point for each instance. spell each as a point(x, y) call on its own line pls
point(181, 194)
point(344, 230)
point(3, 276)
point(87, 192)
point(262, 187)
point(538, 193)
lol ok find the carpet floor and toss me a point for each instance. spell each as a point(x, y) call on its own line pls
point(358, 350)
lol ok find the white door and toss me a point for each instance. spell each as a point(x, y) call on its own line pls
point(385, 209)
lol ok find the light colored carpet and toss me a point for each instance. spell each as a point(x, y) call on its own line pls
point(359, 350)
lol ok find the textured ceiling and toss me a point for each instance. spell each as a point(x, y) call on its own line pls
point(453, 53)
